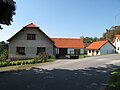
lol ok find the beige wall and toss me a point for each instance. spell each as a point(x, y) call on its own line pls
point(20, 40)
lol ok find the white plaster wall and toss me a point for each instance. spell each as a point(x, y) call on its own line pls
point(94, 54)
point(90, 54)
point(30, 45)
point(117, 45)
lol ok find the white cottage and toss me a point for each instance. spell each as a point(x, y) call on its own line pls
point(100, 48)
point(116, 43)
point(28, 42)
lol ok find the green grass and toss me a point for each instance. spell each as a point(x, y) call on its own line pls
point(24, 67)
point(114, 81)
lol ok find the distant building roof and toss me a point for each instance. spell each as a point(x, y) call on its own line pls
point(68, 42)
point(116, 36)
point(96, 45)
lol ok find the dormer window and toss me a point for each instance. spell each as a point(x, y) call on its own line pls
point(31, 36)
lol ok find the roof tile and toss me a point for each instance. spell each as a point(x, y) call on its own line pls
point(31, 25)
point(96, 45)
point(68, 42)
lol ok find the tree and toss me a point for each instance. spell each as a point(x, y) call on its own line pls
point(7, 10)
point(3, 46)
point(110, 33)
point(89, 39)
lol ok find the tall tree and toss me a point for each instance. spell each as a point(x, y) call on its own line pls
point(7, 10)
point(110, 33)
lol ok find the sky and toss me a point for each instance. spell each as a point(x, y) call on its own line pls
point(65, 18)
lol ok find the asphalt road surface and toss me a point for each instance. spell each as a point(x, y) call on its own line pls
point(89, 73)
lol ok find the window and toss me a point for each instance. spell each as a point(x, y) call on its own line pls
point(40, 49)
point(118, 48)
point(97, 52)
point(20, 50)
point(31, 36)
point(117, 40)
point(89, 51)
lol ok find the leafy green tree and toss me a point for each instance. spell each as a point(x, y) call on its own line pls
point(110, 33)
point(89, 39)
point(3, 46)
point(7, 10)
point(4, 55)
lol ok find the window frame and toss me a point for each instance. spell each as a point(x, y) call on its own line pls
point(97, 52)
point(89, 51)
point(20, 50)
point(41, 50)
point(31, 36)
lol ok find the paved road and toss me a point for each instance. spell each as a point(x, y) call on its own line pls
point(82, 74)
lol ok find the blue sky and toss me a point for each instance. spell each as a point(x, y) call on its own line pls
point(65, 18)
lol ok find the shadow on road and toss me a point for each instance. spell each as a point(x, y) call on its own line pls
point(56, 79)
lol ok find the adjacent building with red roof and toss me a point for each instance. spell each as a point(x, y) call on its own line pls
point(100, 48)
point(116, 43)
point(65, 46)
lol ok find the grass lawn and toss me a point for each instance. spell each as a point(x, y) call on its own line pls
point(24, 67)
point(114, 82)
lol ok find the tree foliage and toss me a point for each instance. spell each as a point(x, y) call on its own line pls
point(7, 10)
point(89, 39)
point(110, 33)
point(3, 46)
point(3, 50)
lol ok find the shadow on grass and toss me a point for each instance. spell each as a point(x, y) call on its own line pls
point(56, 79)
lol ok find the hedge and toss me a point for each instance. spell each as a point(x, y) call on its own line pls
point(18, 62)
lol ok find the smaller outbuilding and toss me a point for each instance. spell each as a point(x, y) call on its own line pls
point(100, 48)
point(68, 46)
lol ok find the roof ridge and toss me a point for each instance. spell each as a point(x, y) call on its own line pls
point(66, 38)
point(31, 25)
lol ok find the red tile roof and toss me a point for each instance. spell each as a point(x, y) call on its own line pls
point(68, 42)
point(96, 45)
point(31, 25)
point(117, 36)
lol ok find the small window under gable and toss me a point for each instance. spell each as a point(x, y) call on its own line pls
point(31, 36)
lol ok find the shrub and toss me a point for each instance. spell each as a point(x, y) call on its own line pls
point(19, 62)
point(3, 64)
point(42, 57)
point(4, 55)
